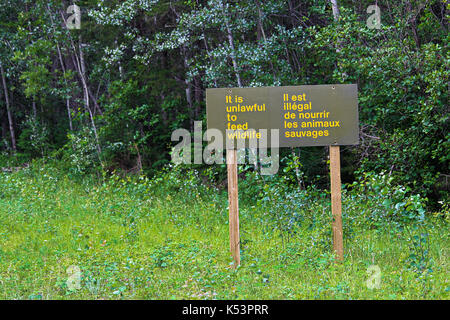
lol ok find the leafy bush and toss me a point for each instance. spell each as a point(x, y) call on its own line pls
point(34, 138)
point(81, 152)
point(374, 198)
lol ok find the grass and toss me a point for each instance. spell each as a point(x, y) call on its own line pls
point(167, 238)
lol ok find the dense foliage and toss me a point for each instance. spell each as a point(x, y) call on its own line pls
point(110, 94)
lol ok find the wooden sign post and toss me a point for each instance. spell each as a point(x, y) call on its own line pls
point(301, 116)
point(233, 205)
point(335, 173)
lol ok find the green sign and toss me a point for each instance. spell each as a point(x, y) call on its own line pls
point(316, 115)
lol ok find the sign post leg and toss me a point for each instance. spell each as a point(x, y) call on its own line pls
point(233, 205)
point(336, 210)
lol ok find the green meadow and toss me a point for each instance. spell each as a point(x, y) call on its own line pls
point(132, 237)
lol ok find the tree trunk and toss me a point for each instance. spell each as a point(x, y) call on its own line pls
point(63, 68)
point(336, 12)
point(8, 110)
point(69, 115)
point(231, 42)
point(260, 23)
point(188, 87)
point(80, 68)
point(82, 72)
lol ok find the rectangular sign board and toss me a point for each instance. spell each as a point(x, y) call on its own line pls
point(311, 115)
